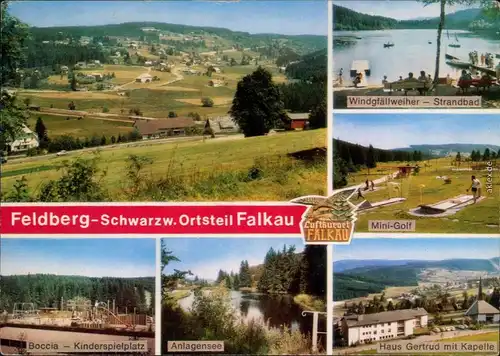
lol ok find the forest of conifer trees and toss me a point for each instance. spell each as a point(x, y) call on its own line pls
point(46, 290)
point(349, 157)
point(283, 272)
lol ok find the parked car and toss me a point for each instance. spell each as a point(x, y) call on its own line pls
point(61, 153)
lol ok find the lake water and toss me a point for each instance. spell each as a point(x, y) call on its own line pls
point(278, 311)
point(411, 52)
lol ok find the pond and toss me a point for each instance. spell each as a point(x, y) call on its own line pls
point(411, 52)
point(276, 310)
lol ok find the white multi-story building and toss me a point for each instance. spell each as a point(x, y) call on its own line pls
point(26, 140)
point(358, 329)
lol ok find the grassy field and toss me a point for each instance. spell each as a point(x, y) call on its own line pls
point(472, 219)
point(283, 178)
point(58, 126)
point(155, 99)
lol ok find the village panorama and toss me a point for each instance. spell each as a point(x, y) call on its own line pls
point(152, 111)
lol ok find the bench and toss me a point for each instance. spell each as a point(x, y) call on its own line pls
point(464, 85)
point(406, 86)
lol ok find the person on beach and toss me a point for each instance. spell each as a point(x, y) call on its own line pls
point(410, 78)
point(341, 78)
point(475, 187)
point(422, 78)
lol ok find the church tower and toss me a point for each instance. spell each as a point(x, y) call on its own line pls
point(480, 290)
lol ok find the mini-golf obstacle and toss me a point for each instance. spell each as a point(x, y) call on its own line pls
point(393, 188)
point(366, 205)
point(445, 207)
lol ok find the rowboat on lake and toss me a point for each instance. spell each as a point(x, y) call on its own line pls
point(458, 64)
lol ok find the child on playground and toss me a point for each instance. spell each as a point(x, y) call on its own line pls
point(475, 187)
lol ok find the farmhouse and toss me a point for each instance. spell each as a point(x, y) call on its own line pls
point(215, 83)
point(144, 78)
point(358, 329)
point(298, 121)
point(163, 127)
point(24, 141)
point(223, 124)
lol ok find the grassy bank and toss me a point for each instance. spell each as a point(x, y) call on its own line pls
point(309, 302)
point(180, 294)
point(258, 168)
point(213, 318)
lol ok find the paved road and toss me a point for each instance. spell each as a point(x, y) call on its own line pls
point(434, 337)
point(74, 153)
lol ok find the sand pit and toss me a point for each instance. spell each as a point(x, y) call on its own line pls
point(217, 100)
point(445, 207)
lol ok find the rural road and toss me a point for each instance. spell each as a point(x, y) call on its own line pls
point(131, 82)
point(424, 338)
point(74, 153)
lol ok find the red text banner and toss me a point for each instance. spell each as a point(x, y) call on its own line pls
point(214, 219)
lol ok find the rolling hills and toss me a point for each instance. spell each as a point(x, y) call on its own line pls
point(356, 278)
point(349, 20)
point(443, 150)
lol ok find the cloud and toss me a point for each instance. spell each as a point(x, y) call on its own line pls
point(23, 264)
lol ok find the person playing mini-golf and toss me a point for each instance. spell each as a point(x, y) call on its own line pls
point(475, 187)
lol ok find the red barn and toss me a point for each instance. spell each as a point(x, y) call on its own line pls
point(298, 121)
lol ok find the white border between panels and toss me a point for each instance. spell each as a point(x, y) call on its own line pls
point(410, 111)
point(329, 155)
point(158, 299)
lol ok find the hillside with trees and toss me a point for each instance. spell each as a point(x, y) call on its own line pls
point(349, 20)
point(349, 157)
point(362, 281)
point(283, 272)
point(47, 290)
point(307, 90)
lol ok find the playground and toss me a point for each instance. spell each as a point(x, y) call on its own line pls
point(436, 193)
point(82, 314)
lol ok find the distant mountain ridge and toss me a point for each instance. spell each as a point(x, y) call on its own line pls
point(466, 264)
point(346, 19)
point(306, 43)
point(358, 278)
point(441, 150)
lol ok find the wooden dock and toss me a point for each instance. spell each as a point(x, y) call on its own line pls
point(490, 71)
point(360, 66)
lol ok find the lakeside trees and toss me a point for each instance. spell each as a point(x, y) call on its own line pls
point(283, 272)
